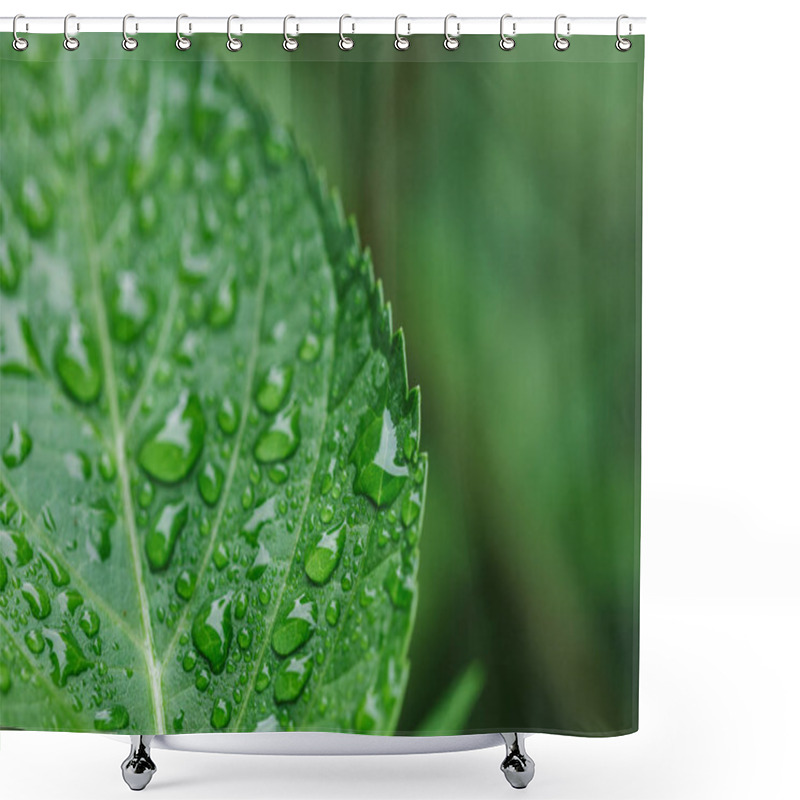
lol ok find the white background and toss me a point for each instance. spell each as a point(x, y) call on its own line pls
point(720, 674)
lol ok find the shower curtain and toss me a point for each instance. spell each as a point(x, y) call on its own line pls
point(261, 312)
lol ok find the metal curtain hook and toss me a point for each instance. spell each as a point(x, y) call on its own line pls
point(128, 42)
point(181, 42)
point(400, 42)
point(234, 44)
point(345, 42)
point(451, 42)
point(560, 43)
point(623, 44)
point(506, 42)
point(289, 43)
point(70, 42)
point(18, 43)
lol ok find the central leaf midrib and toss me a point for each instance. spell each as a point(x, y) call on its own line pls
point(118, 434)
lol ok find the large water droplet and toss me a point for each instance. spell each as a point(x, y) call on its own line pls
point(212, 631)
point(161, 538)
point(280, 438)
point(131, 307)
point(15, 547)
point(172, 450)
point(263, 514)
point(18, 447)
point(223, 306)
point(78, 363)
point(209, 482)
point(379, 476)
point(66, 656)
point(274, 387)
point(291, 678)
point(332, 612)
point(37, 599)
point(34, 641)
point(221, 715)
point(114, 718)
point(296, 627)
point(323, 557)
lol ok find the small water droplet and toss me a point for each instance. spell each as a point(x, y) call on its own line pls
point(77, 363)
point(274, 388)
point(70, 600)
point(212, 631)
point(332, 612)
point(323, 557)
point(102, 518)
point(131, 307)
point(185, 583)
point(400, 586)
point(247, 497)
point(209, 482)
point(5, 678)
point(58, 574)
point(296, 627)
point(411, 508)
point(228, 416)
point(262, 679)
point(107, 467)
point(280, 438)
point(221, 715)
point(89, 623)
point(223, 306)
point(37, 599)
point(3, 575)
point(260, 564)
point(162, 536)
point(18, 447)
point(366, 597)
point(240, 607)
point(310, 348)
point(220, 556)
point(202, 679)
point(279, 473)
point(378, 475)
point(114, 718)
point(244, 638)
point(38, 211)
point(15, 547)
point(146, 494)
point(177, 721)
point(291, 678)
point(189, 662)
point(34, 641)
point(172, 450)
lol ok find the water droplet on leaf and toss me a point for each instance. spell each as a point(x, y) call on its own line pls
point(18, 447)
point(172, 450)
point(378, 475)
point(114, 718)
point(161, 538)
point(280, 438)
point(274, 388)
point(296, 627)
point(77, 362)
point(212, 631)
point(291, 678)
point(209, 482)
point(323, 557)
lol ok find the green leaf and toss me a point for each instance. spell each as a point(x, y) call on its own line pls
point(211, 484)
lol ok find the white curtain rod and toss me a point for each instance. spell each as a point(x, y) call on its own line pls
point(513, 26)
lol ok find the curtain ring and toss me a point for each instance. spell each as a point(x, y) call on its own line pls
point(234, 44)
point(18, 44)
point(290, 44)
point(506, 42)
point(560, 43)
point(451, 42)
point(345, 42)
point(401, 42)
point(70, 42)
point(622, 44)
point(181, 42)
point(128, 42)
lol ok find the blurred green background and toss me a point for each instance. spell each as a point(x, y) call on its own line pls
point(500, 196)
